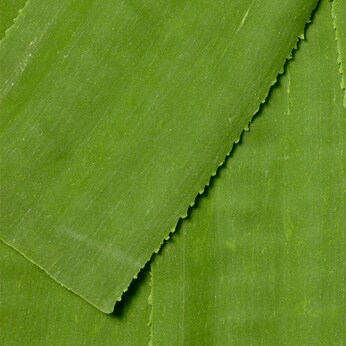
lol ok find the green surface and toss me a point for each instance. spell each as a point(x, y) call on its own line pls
point(8, 12)
point(36, 310)
point(113, 117)
point(339, 14)
point(261, 259)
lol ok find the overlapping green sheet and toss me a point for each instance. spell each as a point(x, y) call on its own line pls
point(113, 117)
point(35, 310)
point(261, 260)
point(8, 13)
point(339, 10)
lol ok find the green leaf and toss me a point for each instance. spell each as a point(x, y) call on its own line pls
point(8, 12)
point(115, 116)
point(339, 10)
point(35, 310)
point(261, 260)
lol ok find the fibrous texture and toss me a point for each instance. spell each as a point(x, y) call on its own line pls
point(115, 117)
point(261, 260)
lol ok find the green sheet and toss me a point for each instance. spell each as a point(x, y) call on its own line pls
point(261, 259)
point(114, 117)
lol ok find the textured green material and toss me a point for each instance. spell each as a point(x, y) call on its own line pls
point(115, 116)
point(8, 12)
point(36, 310)
point(261, 260)
point(339, 14)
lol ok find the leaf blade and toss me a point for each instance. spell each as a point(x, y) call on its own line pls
point(96, 170)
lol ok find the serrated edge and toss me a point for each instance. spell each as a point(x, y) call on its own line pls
point(246, 127)
point(14, 20)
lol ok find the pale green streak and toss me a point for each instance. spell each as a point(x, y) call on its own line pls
point(261, 259)
point(339, 14)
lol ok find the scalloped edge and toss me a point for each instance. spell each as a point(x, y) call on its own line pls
point(339, 60)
